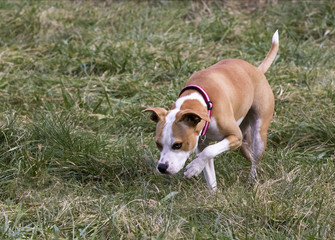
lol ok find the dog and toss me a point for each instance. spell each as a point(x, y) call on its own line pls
point(229, 103)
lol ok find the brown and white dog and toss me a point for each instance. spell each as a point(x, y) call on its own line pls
point(236, 100)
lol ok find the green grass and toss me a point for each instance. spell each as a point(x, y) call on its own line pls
point(77, 157)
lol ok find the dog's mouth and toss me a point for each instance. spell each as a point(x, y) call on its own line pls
point(164, 168)
point(170, 165)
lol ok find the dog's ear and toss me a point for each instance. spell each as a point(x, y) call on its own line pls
point(157, 113)
point(191, 118)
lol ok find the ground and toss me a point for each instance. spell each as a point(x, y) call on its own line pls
point(77, 156)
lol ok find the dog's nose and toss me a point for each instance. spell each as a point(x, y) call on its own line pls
point(162, 167)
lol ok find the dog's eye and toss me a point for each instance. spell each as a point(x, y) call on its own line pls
point(159, 146)
point(176, 146)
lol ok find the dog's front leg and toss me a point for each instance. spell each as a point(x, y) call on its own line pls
point(209, 170)
point(198, 164)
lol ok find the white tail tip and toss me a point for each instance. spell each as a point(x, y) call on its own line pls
point(275, 37)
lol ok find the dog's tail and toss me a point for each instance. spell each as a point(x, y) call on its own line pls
point(271, 54)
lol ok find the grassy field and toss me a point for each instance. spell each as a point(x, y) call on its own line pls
point(77, 157)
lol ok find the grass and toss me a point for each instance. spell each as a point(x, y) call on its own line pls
point(77, 157)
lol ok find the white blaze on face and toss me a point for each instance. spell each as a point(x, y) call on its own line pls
point(175, 159)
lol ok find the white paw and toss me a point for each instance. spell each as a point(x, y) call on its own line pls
point(194, 168)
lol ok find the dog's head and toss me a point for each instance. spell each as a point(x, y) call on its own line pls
point(177, 133)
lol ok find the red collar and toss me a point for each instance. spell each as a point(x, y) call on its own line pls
point(207, 100)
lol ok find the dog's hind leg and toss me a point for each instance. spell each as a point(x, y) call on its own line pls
point(254, 129)
point(259, 123)
point(246, 147)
